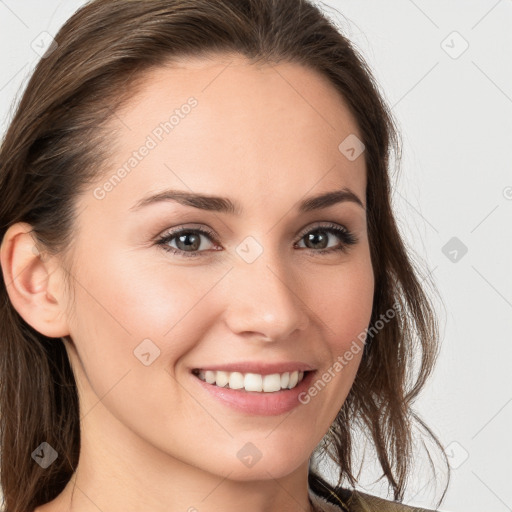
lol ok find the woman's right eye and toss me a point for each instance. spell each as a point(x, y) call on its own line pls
point(187, 238)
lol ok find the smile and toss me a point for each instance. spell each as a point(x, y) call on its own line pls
point(251, 381)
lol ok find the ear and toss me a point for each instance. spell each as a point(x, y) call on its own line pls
point(35, 286)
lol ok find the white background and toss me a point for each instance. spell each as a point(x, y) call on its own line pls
point(455, 113)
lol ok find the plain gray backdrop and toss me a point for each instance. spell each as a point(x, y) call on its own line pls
point(445, 68)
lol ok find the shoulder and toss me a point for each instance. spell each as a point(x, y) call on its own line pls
point(355, 501)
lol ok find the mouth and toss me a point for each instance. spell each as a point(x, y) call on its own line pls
point(251, 382)
point(256, 394)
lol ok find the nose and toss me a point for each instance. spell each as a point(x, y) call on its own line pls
point(266, 301)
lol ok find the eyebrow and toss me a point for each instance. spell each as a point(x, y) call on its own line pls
point(226, 205)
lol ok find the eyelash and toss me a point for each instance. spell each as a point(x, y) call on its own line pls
point(344, 234)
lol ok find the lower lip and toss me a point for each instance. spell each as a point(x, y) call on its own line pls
point(261, 404)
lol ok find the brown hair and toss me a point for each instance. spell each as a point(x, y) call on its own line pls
point(56, 145)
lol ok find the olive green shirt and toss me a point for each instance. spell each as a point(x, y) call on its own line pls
point(356, 501)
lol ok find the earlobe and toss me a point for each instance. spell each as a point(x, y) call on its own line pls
point(34, 284)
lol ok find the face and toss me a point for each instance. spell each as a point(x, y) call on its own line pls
point(164, 288)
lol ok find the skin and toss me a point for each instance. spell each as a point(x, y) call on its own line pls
point(267, 137)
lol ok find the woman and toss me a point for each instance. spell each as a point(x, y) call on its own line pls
point(204, 288)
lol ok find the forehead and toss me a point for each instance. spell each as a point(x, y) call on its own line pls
point(232, 90)
point(224, 123)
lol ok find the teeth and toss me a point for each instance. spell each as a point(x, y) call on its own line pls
point(236, 380)
point(209, 377)
point(272, 382)
point(221, 379)
point(294, 377)
point(252, 381)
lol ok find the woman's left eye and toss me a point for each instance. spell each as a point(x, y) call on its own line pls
point(190, 240)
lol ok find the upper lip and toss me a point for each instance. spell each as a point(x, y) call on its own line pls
point(261, 368)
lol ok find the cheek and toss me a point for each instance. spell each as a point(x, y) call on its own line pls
point(146, 296)
point(344, 313)
point(343, 302)
point(123, 301)
point(133, 323)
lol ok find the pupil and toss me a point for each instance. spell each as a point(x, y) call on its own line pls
point(314, 238)
point(194, 245)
